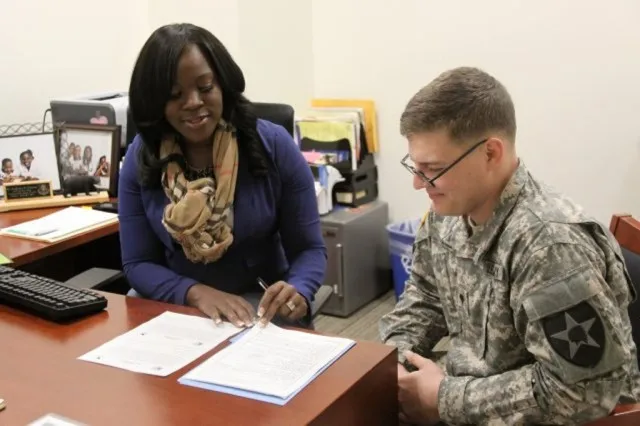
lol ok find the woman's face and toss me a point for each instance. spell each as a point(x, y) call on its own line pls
point(195, 106)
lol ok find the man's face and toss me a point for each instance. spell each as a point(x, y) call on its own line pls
point(460, 189)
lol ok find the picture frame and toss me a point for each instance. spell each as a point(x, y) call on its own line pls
point(89, 150)
point(29, 157)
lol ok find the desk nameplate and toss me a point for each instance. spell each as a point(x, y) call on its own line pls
point(28, 190)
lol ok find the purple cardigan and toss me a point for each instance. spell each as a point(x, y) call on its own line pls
point(276, 230)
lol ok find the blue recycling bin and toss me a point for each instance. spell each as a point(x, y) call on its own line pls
point(401, 238)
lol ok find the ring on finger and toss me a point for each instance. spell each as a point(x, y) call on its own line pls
point(291, 305)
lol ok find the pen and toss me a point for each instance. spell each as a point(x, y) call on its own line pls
point(264, 287)
point(262, 283)
point(41, 233)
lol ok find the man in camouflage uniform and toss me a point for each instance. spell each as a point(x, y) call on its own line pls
point(532, 292)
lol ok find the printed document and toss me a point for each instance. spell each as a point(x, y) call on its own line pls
point(270, 364)
point(162, 345)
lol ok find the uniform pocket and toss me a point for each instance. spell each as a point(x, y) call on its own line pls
point(477, 312)
point(444, 275)
point(473, 294)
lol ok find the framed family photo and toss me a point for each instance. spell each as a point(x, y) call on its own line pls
point(89, 150)
point(29, 157)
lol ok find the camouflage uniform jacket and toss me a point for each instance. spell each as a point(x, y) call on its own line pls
point(535, 303)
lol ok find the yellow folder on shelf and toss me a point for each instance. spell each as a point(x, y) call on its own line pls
point(370, 120)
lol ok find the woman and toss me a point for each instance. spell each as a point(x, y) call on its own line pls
point(212, 200)
point(87, 160)
point(102, 169)
point(66, 154)
point(76, 160)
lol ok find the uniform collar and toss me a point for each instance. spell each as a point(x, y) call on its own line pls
point(480, 241)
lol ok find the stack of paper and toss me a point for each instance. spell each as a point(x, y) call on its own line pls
point(335, 137)
point(365, 108)
point(162, 345)
point(62, 224)
point(269, 364)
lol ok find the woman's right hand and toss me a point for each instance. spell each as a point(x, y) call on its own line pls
point(217, 304)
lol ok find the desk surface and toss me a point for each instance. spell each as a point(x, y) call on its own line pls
point(23, 251)
point(631, 418)
point(39, 374)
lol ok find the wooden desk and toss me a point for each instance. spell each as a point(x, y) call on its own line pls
point(23, 251)
point(39, 374)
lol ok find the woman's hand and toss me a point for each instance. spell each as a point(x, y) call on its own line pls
point(283, 299)
point(216, 304)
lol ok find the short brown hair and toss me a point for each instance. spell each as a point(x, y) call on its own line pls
point(466, 101)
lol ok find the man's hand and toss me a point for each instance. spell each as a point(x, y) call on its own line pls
point(418, 391)
point(283, 299)
point(215, 304)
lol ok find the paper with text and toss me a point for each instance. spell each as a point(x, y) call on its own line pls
point(268, 362)
point(162, 345)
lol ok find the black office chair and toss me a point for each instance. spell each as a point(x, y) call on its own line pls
point(281, 114)
point(110, 279)
point(632, 260)
point(626, 230)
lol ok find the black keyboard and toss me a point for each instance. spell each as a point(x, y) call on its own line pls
point(47, 298)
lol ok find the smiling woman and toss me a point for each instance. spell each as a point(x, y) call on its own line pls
point(213, 199)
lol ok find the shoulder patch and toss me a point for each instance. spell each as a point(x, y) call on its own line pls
point(577, 335)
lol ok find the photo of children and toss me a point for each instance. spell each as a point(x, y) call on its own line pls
point(86, 152)
point(7, 174)
point(28, 157)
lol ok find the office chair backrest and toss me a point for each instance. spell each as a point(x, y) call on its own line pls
point(626, 230)
point(281, 114)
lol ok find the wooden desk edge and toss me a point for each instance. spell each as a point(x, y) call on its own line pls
point(377, 390)
point(48, 249)
point(40, 250)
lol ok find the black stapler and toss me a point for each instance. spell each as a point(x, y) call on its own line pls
point(107, 207)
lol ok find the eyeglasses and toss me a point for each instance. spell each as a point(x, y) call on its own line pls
point(430, 181)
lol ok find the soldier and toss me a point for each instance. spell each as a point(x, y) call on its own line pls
point(532, 292)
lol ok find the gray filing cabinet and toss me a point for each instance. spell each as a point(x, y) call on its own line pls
point(358, 256)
